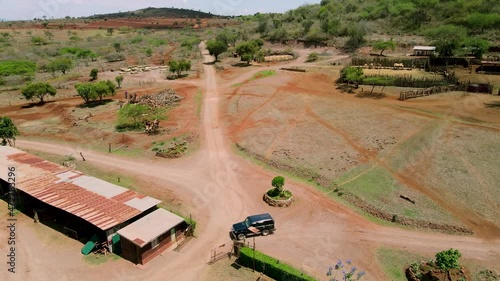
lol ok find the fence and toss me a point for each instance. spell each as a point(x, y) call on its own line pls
point(222, 251)
point(431, 91)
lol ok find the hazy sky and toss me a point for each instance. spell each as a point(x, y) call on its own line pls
point(29, 9)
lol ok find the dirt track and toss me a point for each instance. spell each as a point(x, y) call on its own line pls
point(313, 234)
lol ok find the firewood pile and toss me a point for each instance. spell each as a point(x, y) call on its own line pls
point(152, 126)
point(167, 97)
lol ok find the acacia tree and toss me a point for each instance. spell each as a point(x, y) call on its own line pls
point(215, 48)
point(8, 131)
point(446, 38)
point(248, 50)
point(119, 80)
point(86, 91)
point(38, 90)
point(104, 89)
point(179, 66)
point(383, 45)
point(352, 74)
point(60, 64)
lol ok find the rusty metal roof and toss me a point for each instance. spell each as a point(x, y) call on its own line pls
point(102, 204)
point(150, 227)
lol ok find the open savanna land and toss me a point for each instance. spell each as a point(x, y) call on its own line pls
point(377, 180)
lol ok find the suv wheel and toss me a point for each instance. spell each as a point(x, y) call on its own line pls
point(265, 232)
point(241, 236)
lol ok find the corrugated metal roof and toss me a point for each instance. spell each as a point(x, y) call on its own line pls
point(424, 48)
point(150, 227)
point(102, 204)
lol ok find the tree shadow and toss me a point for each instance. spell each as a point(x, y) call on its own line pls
point(210, 62)
point(36, 104)
point(241, 64)
point(175, 77)
point(493, 104)
point(95, 103)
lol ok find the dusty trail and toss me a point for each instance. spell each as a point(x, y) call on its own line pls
point(222, 188)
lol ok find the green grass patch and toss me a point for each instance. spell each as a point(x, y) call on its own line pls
point(374, 185)
point(394, 262)
point(17, 67)
point(157, 42)
point(263, 74)
point(271, 266)
point(98, 260)
point(237, 85)
point(199, 102)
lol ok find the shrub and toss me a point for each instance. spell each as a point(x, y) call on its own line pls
point(15, 67)
point(271, 267)
point(156, 42)
point(114, 57)
point(448, 259)
point(312, 57)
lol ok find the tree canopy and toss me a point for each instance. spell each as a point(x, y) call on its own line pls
point(216, 47)
point(248, 50)
point(8, 131)
point(448, 259)
point(60, 64)
point(178, 66)
point(383, 45)
point(446, 38)
point(38, 90)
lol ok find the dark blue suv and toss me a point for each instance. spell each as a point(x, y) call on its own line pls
point(262, 224)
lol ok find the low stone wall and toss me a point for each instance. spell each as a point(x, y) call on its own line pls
point(277, 203)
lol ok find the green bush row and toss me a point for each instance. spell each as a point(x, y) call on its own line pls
point(271, 267)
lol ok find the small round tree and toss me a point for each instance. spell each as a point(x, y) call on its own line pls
point(448, 259)
point(278, 183)
point(119, 80)
point(93, 74)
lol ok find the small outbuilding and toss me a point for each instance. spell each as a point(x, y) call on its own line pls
point(424, 51)
point(151, 235)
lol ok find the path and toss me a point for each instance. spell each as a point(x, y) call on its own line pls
point(223, 189)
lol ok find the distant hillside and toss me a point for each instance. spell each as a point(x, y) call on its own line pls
point(156, 13)
point(353, 19)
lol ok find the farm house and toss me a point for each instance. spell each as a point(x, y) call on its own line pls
point(83, 207)
point(146, 238)
point(424, 50)
point(489, 67)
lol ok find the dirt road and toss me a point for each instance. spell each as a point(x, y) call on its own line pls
point(221, 189)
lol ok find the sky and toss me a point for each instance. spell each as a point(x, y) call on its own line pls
point(29, 9)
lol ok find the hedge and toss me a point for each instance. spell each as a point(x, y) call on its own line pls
point(271, 267)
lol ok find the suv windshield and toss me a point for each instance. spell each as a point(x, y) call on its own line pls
point(247, 222)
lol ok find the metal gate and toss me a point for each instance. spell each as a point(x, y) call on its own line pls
point(222, 251)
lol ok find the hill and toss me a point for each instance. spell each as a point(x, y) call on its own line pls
point(156, 13)
point(354, 19)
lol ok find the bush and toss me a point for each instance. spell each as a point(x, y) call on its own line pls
point(312, 57)
point(448, 259)
point(114, 57)
point(12, 67)
point(271, 267)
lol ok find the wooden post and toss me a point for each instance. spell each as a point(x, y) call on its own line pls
point(109, 147)
point(82, 156)
point(254, 254)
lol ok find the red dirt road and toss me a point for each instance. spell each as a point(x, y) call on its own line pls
point(222, 188)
